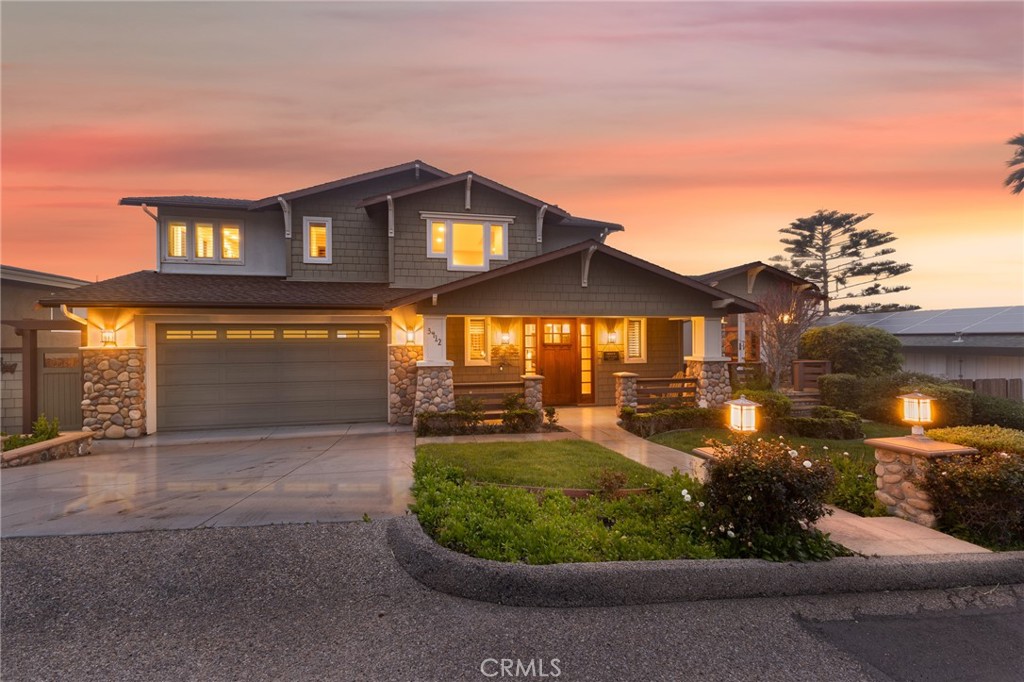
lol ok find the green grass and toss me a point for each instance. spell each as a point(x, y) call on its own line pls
point(551, 464)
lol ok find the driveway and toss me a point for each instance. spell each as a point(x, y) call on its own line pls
point(235, 480)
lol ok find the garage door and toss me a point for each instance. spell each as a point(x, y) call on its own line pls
point(222, 376)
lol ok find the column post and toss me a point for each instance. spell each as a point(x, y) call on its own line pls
point(625, 390)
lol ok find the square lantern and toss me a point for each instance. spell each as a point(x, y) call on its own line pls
point(743, 414)
point(107, 337)
point(917, 410)
point(410, 336)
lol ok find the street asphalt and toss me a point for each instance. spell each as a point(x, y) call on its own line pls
point(329, 602)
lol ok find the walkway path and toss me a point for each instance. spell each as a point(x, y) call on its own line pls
point(885, 536)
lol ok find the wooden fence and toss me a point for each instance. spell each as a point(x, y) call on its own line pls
point(665, 392)
point(1000, 388)
point(491, 395)
point(806, 373)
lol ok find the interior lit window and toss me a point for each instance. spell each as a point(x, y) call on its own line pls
point(468, 245)
point(230, 242)
point(204, 240)
point(177, 240)
point(437, 235)
point(317, 238)
point(477, 342)
point(636, 339)
point(497, 240)
point(470, 242)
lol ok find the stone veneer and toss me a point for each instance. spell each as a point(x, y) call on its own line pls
point(625, 390)
point(435, 389)
point(402, 382)
point(533, 391)
point(712, 377)
point(114, 392)
point(900, 465)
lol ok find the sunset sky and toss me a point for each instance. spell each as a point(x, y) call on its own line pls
point(702, 127)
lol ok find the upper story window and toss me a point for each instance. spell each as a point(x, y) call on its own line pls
point(203, 241)
point(316, 240)
point(468, 242)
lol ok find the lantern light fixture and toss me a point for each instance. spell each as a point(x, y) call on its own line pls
point(917, 410)
point(107, 336)
point(613, 337)
point(743, 414)
point(410, 336)
point(506, 337)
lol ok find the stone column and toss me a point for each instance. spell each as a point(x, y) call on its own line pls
point(899, 469)
point(114, 392)
point(533, 391)
point(712, 377)
point(402, 361)
point(435, 389)
point(625, 390)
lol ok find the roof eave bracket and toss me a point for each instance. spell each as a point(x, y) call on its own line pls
point(469, 192)
point(586, 256)
point(540, 222)
point(287, 211)
point(722, 303)
point(391, 216)
point(752, 274)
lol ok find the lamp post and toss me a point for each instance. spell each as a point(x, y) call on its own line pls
point(743, 414)
point(917, 410)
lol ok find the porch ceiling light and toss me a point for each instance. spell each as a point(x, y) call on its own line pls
point(917, 410)
point(742, 414)
point(410, 336)
point(107, 336)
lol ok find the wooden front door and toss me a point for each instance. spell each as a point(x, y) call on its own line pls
point(558, 361)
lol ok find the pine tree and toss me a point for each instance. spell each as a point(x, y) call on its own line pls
point(845, 262)
point(1015, 180)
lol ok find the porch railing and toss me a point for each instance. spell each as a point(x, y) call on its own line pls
point(806, 373)
point(490, 394)
point(654, 394)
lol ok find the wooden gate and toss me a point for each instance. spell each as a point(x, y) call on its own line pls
point(60, 386)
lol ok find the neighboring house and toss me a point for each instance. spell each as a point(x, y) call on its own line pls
point(969, 344)
point(377, 296)
point(54, 377)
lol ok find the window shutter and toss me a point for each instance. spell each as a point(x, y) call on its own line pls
point(477, 338)
point(634, 339)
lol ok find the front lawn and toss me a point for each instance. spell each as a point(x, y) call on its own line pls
point(854, 461)
point(547, 464)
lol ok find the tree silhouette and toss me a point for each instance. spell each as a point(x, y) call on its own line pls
point(1015, 180)
point(845, 262)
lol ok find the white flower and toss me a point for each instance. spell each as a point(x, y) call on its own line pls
point(721, 529)
point(845, 453)
point(687, 498)
point(685, 492)
point(793, 453)
point(807, 463)
point(731, 534)
point(824, 447)
point(749, 498)
point(700, 504)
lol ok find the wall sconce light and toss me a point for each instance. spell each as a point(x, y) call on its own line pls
point(410, 336)
point(506, 337)
point(743, 414)
point(613, 337)
point(107, 337)
point(917, 410)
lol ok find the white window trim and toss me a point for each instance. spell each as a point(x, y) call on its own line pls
point(190, 241)
point(478, 362)
point(306, 222)
point(487, 220)
point(643, 340)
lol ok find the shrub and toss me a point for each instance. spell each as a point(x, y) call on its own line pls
point(774, 405)
point(842, 391)
point(650, 423)
point(521, 421)
point(763, 498)
point(980, 499)
point(550, 416)
point(987, 409)
point(42, 429)
point(822, 424)
point(983, 438)
point(855, 486)
point(610, 481)
point(472, 408)
point(879, 403)
point(453, 423)
point(863, 351)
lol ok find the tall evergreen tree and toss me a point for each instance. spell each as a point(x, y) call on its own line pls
point(1015, 180)
point(845, 262)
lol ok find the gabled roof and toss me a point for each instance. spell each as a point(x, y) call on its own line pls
point(461, 177)
point(574, 221)
point(187, 200)
point(719, 275)
point(163, 290)
point(351, 180)
point(9, 272)
point(598, 247)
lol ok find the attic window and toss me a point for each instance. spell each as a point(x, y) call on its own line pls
point(467, 242)
point(203, 241)
point(316, 240)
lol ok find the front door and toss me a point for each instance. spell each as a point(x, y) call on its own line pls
point(557, 361)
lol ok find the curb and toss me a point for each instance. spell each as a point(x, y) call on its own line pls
point(624, 583)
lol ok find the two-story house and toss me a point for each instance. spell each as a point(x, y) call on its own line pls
point(369, 298)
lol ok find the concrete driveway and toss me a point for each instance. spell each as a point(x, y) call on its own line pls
point(206, 480)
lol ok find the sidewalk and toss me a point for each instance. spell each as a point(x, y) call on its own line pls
point(883, 536)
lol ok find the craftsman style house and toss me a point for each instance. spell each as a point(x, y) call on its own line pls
point(376, 297)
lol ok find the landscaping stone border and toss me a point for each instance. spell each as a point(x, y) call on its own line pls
point(74, 444)
point(653, 582)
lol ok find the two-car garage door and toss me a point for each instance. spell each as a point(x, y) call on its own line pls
point(222, 376)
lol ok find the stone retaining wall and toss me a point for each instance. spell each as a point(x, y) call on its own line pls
point(114, 392)
point(63, 446)
point(435, 389)
point(402, 382)
point(712, 377)
point(625, 390)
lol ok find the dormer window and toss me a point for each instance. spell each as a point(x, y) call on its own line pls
point(203, 241)
point(316, 240)
point(467, 242)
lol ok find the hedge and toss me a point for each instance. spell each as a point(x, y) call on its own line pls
point(863, 351)
point(989, 409)
point(982, 438)
point(774, 405)
point(650, 423)
point(875, 397)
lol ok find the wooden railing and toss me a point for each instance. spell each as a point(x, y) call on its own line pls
point(806, 373)
point(665, 392)
point(742, 374)
point(491, 394)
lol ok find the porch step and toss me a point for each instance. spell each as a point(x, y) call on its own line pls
point(803, 402)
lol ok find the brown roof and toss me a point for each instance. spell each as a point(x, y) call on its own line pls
point(155, 289)
point(713, 278)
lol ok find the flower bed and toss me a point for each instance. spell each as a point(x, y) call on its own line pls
point(65, 445)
